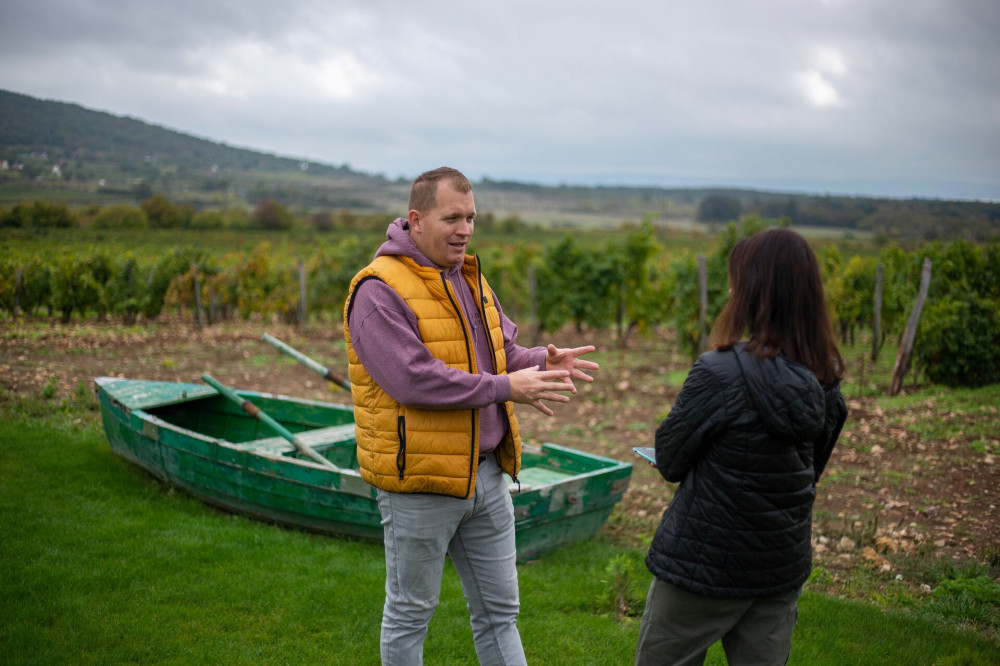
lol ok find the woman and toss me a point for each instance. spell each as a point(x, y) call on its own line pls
point(747, 438)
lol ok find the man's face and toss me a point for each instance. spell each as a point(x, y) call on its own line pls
point(442, 234)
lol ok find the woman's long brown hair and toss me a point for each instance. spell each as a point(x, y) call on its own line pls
point(777, 299)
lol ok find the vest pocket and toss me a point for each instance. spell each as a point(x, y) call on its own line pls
point(401, 454)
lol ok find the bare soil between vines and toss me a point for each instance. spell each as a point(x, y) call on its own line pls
point(888, 492)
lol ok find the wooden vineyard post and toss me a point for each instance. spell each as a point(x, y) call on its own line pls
point(302, 296)
point(910, 334)
point(877, 316)
point(17, 292)
point(213, 307)
point(620, 313)
point(199, 316)
point(703, 303)
point(131, 312)
point(532, 289)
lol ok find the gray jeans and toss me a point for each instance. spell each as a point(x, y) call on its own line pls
point(478, 535)
point(679, 626)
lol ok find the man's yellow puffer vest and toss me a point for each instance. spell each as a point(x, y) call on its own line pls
point(407, 450)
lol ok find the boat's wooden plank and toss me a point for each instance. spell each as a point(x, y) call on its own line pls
point(142, 394)
point(317, 439)
point(576, 494)
point(533, 477)
point(565, 459)
point(537, 538)
point(271, 490)
point(280, 501)
point(308, 413)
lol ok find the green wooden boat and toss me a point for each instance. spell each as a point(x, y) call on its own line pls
point(194, 438)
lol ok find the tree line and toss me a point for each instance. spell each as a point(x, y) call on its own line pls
point(927, 219)
point(157, 212)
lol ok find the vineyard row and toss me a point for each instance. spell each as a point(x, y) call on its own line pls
point(629, 284)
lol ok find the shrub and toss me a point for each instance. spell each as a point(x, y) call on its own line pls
point(958, 342)
point(643, 290)
point(850, 294)
point(177, 262)
point(719, 208)
point(8, 286)
point(162, 214)
point(124, 290)
point(74, 287)
point(578, 285)
point(331, 273)
point(208, 219)
point(272, 216)
point(508, 268)
point(121, 217)
point(36, 286)
point(38, 214)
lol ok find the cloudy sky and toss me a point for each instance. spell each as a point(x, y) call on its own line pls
point(868, 97)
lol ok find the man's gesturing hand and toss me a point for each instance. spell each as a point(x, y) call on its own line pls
point(569, 360)
point(531, 385)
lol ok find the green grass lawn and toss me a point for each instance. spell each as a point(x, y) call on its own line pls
point(101, 564)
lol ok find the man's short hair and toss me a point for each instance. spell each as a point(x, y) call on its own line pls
point(423, 192)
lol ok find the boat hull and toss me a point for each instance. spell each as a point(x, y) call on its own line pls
point(194, 439)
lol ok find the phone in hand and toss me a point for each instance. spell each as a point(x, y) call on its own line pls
point(647, 453)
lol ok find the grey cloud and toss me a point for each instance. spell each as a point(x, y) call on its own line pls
point(879, 97)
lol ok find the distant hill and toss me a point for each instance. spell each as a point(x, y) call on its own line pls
point(69, 131)
point(81, 156)
point(65, 152)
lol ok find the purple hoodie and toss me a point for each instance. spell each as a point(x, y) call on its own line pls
point(385, 336)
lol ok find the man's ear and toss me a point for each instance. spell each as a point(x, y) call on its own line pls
point(414, 218)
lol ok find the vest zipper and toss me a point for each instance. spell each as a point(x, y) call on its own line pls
point(493, 357)
point(482, 313)
point(461, 318)
point(468, 355)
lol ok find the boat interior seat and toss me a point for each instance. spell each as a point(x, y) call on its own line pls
point(318, 439)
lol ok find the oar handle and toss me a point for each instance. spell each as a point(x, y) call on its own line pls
point(259, 414)
point(315, 366)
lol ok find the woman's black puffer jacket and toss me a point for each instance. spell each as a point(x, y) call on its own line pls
point(748, 439)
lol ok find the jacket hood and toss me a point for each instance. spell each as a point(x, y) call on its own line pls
point(399, 243)
point(788, 396)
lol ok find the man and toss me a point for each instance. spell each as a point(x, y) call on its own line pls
point(434, 371)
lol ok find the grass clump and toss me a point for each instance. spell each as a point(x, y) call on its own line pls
point(625, 581)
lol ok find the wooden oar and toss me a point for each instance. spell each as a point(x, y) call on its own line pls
point(326, 372)
point(256, 412)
